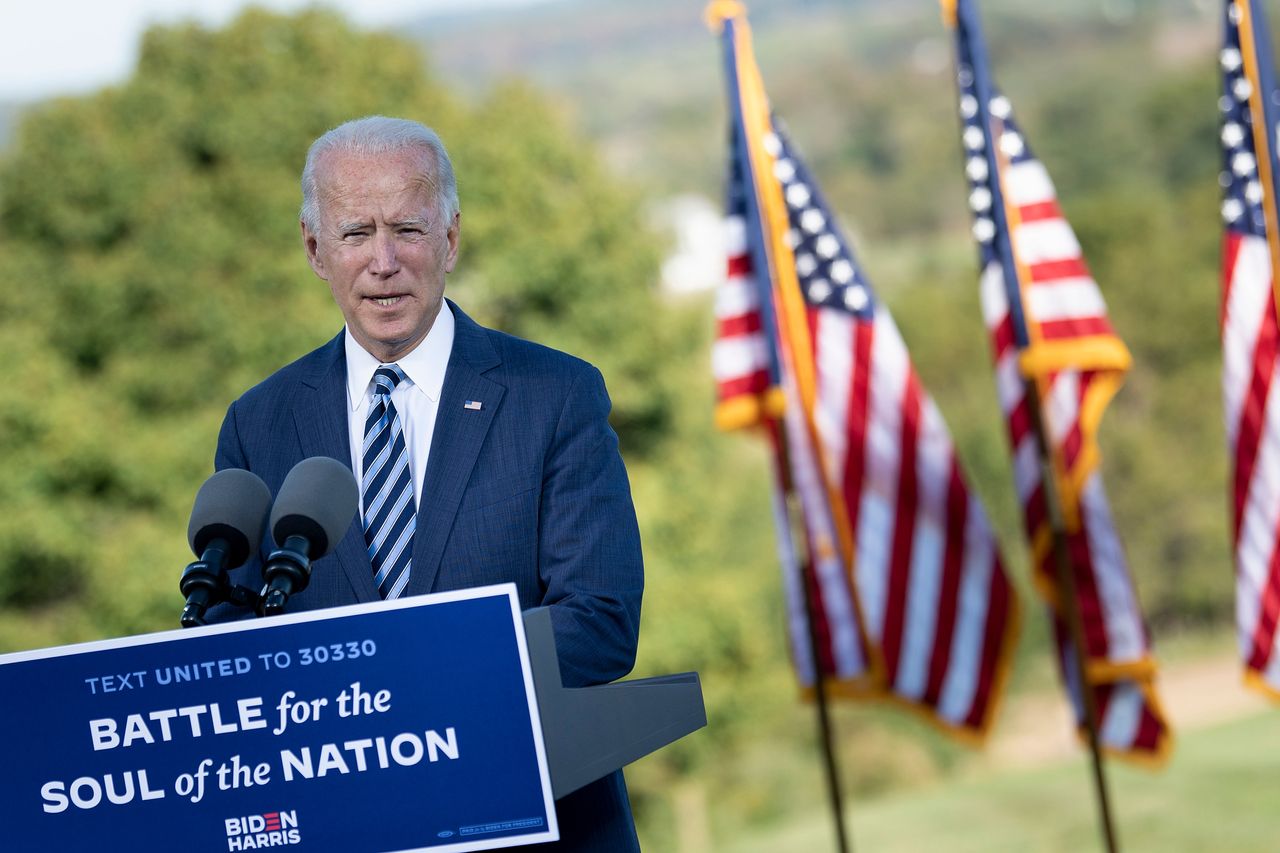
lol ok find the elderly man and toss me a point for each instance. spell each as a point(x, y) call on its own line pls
point(482, 458)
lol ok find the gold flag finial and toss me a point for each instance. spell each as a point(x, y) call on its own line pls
point(949, 13)
point(719, 11)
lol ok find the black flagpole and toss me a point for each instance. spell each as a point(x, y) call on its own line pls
point(831, 765)
point(957, 15)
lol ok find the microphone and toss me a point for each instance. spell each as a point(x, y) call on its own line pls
point(225, 528)
point(312, 513)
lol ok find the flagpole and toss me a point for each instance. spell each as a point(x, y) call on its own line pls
point(956, 14)
point(720, 14)
point(1068, 603)
point(1070, 610)
point(830, 763)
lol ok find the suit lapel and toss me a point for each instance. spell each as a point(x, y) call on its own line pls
point(320, 413)
point(460, 431)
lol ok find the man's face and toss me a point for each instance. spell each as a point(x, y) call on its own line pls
point(382, 246)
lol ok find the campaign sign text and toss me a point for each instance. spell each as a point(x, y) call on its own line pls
point(406, 725)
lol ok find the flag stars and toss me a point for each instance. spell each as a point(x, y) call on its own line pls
point(855, 298)
point(968, 106)
point(980, 200)
point(825, 271)
point(1243, 164)
point(812, 220)
point(976, 169)
point(1225, 180)
point(1011, 143)
point(797, 195)
point(1232, 134)
point(842, 271)
point(1253, 192)
point(1230, 59)
point(771, 144)
point(1234, 13)
point(819, 290)
point(983, 230)
point(1232, 209)
point(973, 138)
point(1241, 88)
point(1000, 107)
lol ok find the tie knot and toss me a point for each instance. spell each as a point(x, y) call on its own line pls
point(386, 378)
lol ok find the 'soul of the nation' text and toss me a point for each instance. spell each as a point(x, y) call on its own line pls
point(356, 755)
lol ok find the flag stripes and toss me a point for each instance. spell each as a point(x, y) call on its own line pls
point(739, 354)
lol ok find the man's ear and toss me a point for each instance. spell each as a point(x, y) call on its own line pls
point(453, 235)
point(311, 243)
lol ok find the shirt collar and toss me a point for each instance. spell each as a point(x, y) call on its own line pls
point(424, 365)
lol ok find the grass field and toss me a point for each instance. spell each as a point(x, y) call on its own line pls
point(1220, 792)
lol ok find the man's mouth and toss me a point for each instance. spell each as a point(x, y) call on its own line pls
point(386, 300)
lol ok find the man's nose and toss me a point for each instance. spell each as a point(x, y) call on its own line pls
point(384, 262)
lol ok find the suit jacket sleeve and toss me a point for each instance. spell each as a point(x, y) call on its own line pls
point(589, 558)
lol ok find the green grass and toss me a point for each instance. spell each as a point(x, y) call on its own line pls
point(1219, 792)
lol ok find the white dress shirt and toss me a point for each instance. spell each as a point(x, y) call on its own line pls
point(416, 398)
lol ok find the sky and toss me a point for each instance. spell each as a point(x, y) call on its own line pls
point(56, 47)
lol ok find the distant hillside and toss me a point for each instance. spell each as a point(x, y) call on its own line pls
point(645, 80)
point(1118, 97)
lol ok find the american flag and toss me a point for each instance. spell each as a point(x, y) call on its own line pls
point(897, 541)
point(1249, 334)
point(1052, 342)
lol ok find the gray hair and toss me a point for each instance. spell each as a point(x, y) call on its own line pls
point(378, 135)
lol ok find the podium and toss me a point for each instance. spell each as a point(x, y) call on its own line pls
point(432, 723)
point(590, 732)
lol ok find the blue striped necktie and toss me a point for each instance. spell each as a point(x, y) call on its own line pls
point(388, 488)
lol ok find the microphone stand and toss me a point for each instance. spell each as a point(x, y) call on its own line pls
point(287, 570)
point(205, 583)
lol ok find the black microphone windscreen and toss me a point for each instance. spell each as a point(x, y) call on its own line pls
point(317, 500)
point(231, 505)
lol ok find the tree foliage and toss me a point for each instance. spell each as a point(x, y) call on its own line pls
point(153, 270)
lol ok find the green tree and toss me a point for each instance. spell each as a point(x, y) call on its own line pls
point(152, 269)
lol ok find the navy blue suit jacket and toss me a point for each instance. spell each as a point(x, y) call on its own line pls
point(530, 488)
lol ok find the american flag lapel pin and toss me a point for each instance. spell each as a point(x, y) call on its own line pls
point(473, 405)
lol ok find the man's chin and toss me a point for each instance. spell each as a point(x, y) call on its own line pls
point(388, 345)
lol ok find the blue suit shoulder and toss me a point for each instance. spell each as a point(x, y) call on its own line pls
point(257, 419)
point(529, 360)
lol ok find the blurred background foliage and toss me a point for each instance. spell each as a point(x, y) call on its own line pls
point(151, 270)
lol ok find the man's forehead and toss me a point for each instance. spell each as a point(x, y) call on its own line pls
point(395, 181)
point(406, 165)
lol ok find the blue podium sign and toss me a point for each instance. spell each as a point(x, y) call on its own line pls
point(395, 726)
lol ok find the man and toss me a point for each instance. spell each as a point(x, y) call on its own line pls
point(482, 458)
